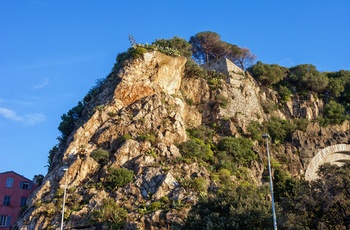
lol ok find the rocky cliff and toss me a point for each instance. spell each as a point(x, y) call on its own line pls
point(139, 117)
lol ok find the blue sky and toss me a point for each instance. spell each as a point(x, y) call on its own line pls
point(52, 52)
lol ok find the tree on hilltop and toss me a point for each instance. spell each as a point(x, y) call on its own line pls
point(203, 45)
point(267, 74)
point(307, 76)
point(207, 46)
point(242, 57)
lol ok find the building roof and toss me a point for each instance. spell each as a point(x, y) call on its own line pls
point(16, 174)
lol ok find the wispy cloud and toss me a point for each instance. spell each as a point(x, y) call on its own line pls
point(34, 118)
point(27, 119)
point(9, 114)
point(42, 84)
point(287, 62)
point(65, 61)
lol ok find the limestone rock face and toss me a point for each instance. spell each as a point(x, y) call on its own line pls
point(156, 72)
point(137, 122)
point(238, 98)
point(139, 116)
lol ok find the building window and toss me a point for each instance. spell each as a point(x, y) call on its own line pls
point(9, 182)
point(5, 221)
point(23, 201)
point(24, 185)
point(7, 200)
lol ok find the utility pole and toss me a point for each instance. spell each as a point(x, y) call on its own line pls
point(267, 137)
point(64, 196)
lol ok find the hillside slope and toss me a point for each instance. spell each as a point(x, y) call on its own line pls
point(138, 121)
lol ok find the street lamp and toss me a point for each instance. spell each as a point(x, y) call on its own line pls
point(266, 137)
point(64, 196)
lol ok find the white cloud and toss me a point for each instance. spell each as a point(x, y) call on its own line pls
point(27, 119)
point(42, 84)
point(9, 114)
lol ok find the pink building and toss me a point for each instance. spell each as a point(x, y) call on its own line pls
point(14, 191)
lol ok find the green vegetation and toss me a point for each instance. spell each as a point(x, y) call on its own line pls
point(147, 137)
point(52, 153)
point(118, 177)
point(202, 132)
point(197, 149)
point(179, 46)
point(268, 75)
point(241, 207)
point(334, 113)
point(279, 129)
point(110, 214)
point(222, 100)
point(70, 121)
point(239, 150)
point(100, 155)
point(320, 204)
point(305, 79)
point(208, 47)
point(256, 130)
point(96, 89)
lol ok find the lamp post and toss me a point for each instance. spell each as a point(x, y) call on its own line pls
point(64, 196)
point(266, 137)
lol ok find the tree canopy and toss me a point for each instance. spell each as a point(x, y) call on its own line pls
point(306, 75)
point(320, 204)
point(268, 74)
point(208, 47)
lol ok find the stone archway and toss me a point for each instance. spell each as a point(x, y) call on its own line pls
point(335, 154)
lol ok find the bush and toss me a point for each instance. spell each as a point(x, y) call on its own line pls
point(226, 161)
point(256, 130)
point(202, 132)
point(306, 77)
point(268, 106)
point(200, 185)
point(279, 129)
point(195, 148)
point(52, 154)
point(222, 100)
point(174, 47)
point(70, 120)
point(110, 214)
point(334, 113)
point(147, 137)
point(118, 177)
point(268, 74)
point(193, 70)
point(301, 123)
point(244, 207)
point(240, 149)
point(336, 87)
point(284, 93)
point(100, 155)
point(133, 52)
point(214, 83)
point(224, 176)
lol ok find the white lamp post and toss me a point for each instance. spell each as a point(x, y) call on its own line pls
point(64, 196)
point(266, 137)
